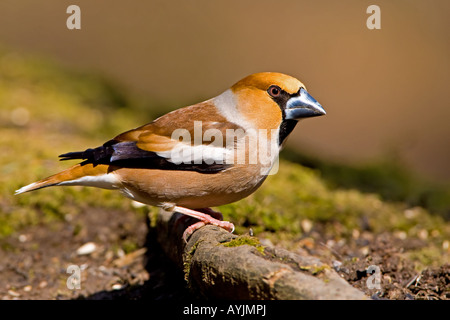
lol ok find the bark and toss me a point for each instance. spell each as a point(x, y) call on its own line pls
point(221, 265)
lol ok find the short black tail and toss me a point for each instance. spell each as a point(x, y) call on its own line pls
point(100, 155)
point(74, 155)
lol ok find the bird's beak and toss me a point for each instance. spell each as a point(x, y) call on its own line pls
point(303, 106)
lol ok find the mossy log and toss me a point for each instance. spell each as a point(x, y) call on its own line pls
point(221, 265)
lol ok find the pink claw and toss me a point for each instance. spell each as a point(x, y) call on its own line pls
point(205, 217)
point(190, 230)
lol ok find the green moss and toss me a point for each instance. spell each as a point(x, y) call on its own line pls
point(430, 256)
point(388, 177)
point(77, 229)
point(296, 193)
point(319, 269)
point(315, 270)
point(187, 261)
point(129, 246)
point(153, 216)
point(245, 240)
point(54, 110)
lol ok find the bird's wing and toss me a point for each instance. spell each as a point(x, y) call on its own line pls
point(191, 138)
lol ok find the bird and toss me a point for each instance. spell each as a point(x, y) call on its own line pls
point(200, 156)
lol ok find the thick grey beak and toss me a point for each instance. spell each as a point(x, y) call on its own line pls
point(303, 106)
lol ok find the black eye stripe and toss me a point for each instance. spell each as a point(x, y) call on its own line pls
point(281, 98)
point(286, 126)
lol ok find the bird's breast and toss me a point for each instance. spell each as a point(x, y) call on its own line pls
point(189, 188)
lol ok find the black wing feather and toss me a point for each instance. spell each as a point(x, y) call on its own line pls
point(128, 155)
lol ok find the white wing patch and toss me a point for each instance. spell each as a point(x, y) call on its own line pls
point(197, 154)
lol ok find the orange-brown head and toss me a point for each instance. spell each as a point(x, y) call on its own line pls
point(267, 99)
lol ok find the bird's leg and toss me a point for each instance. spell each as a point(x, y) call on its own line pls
point(190, 230)
point(215, 214)
point(205, 218)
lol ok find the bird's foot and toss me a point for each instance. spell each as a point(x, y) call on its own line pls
point(205, 215)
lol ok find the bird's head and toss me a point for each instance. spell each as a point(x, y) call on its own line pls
point(269, 98)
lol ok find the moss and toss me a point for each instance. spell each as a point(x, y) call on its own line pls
point(315, 270)
point(77, 229)
point(153, 216)
point(430, 256)
point(187, 261)
point(54, 110)
point(388, 177)
point(296, 193)
point(245, 240)
point(129, 246)
point(319, 269)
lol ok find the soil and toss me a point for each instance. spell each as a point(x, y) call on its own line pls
point(35, 262)
point(370, 256)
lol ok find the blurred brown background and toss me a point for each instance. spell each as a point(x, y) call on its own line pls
point(384, 90)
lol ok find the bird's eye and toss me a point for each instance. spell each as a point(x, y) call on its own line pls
point(274, 91)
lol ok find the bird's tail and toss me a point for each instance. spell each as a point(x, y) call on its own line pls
point(82, 175)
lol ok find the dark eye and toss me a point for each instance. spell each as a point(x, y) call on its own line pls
point(274, 91)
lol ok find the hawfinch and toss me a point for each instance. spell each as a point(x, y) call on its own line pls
point(205, 155)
